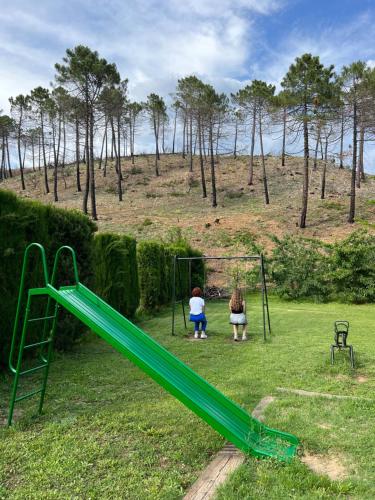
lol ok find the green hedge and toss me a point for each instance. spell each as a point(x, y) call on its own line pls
point(116, 276)
point(23, 222)
point(300, 267)
point(155, 269)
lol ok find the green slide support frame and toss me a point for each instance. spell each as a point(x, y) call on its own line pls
point(222, 414)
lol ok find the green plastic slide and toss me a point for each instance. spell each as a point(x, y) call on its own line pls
point(222, 414)
point(225, 416)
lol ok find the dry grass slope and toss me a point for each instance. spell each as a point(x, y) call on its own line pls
point(152, 205)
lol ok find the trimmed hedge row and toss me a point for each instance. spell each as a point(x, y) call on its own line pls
point(155, 269)
point(124, 276)
point(21, 223)
point(116, 274)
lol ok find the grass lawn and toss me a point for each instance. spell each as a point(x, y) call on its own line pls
point(110, 432)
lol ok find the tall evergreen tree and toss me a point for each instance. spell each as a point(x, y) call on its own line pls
point(85, 74)
point(354, 88)
point(19, 108)
point(157, 111)
point(309, 85)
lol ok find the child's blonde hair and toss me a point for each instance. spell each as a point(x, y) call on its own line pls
point(236, 299)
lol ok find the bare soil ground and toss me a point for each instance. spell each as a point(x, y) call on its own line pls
point(153, 205)
point(332, 466)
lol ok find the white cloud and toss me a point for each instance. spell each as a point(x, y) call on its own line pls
point(152, 42)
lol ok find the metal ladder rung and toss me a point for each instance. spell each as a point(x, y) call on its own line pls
point(35, 369)
point(43, 342)
point(28, 395)
point(42, 318)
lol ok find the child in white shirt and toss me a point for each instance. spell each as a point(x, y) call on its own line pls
point(197, 315)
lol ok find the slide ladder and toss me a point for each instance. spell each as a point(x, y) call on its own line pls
point(222, 414)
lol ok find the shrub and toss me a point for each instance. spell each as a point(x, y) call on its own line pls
point(155, 268)
point(353, 270)
point(300, 268)
point(150, 264)
point(116, 275)
point(23, 222)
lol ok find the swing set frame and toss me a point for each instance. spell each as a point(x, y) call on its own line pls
point(177, 276)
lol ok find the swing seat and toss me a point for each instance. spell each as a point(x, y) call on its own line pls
point(341, 331)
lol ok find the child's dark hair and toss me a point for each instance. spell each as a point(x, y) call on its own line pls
point(197, 292)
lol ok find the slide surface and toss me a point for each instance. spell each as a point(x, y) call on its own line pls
point(225, 416)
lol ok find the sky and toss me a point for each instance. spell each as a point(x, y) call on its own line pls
point(225, 42)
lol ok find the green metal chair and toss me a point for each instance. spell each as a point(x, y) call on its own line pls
point(341, 329)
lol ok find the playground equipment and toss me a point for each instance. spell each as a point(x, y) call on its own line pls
point(341, 329)
point(222, 414)
point(266, 323)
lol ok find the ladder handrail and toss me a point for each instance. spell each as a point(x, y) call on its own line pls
point(56, 261)
point(54, 273)
point(21, 292)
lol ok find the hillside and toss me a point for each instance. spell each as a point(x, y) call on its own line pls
point(153, 205)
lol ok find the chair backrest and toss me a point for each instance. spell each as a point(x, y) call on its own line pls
point(341, 328)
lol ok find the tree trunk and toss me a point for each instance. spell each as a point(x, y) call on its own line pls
point(106, 150)
point(46, 185)
point(284, 138)
point(156, 133)
point(265, 185)
point(315, 164)
point(114, 144)
point(191, 141)
point(39, 162)
point(119, 174)
point(342, 142)
point(183, 138)
point(213, 181)
point(87, 183)
point(133, 141)
point(174, 131)
point(78, 177)
point(94, 214)
point(102, 148)
point(323, 189)
point(203, 178)
point(235, 140)
point(55, 160)
point(2, 168)
point(33, 153)
point(354, 167)
point(19, 150)
point(217, 138)
point(64, 153)
point(361, 170)
point(305, 188)
point(131, 137)
point(251, 165)
point(8, 158)
point(163, 137)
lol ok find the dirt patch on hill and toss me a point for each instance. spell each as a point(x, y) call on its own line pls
point(153, 205)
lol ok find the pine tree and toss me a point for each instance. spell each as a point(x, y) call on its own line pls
point(309, 85)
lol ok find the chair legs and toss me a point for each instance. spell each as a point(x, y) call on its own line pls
point(351, 353)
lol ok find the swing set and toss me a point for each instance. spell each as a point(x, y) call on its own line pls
point(199, 278)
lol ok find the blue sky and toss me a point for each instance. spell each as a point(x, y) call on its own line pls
point(155, 42)
point(225, 42)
